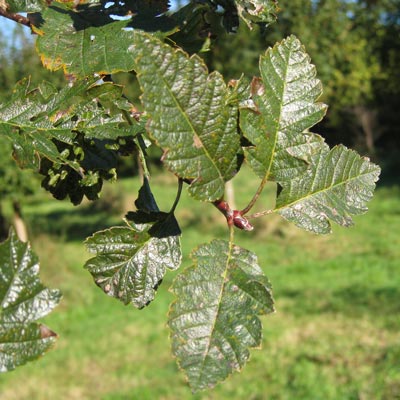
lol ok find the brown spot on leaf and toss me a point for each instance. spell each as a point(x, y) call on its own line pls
point(197, 142)
point(257, 87)
point(233, 83)
point(45, 332)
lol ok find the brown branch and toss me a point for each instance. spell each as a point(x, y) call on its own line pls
point(233, 217)
point(15, 17)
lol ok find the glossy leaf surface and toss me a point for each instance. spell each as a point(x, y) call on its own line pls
point(285, 105)
point(193, 117)
point(131, 261)
point(214, 319)
point(23, 300)
point(84, 41)
point(337, 185)
point(66, 134)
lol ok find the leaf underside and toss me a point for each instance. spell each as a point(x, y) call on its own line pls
point(192, 116)
point(23, 300)
point(214, 319)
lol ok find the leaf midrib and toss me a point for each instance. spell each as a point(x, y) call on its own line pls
point(279, 120)
point(322, 190)
point(186, 117)
point(212, 330)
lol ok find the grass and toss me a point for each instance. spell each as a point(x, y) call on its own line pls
point(335, 334)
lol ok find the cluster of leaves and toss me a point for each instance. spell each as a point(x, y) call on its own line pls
point(207, 130)
point(23, 300)
point(71, 136)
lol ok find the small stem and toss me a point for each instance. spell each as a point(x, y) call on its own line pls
point(142, 156)
point(178, 196)
point(260, 214)
point(15, 17)
point(255, 197)
point(141, 146)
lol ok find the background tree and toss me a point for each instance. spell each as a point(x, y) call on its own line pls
point(355, 46)
point(15, 185)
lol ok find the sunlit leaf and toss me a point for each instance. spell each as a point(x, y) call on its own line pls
point(214, 319)
point(284, 106)
point(23, 300)
point(85, 41)
point(337, 185)
point(132, 260)
point(16, 6)
point(67, 134)
point(257, 11)
point(192, 116)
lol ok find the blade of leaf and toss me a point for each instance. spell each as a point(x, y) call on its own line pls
point(84, 44)
point(16, 6)
point(257, 11)
point(192, 116)
point(285, 101)
point(214, 318)
point(130, 261)
point(337, 184)
point(23, 300)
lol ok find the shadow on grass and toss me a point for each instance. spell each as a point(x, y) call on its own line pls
point(353, 301)
point(72, 225)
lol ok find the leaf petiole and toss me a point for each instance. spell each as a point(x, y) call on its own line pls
point(255, 197)
point(178, 196)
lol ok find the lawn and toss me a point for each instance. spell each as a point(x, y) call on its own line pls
point(335, 334)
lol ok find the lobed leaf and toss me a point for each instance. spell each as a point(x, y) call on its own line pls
point(23, 300)
point(284, 106)
point(131, 261)
point(337, 184)
point(214, 319)
point(192, 116)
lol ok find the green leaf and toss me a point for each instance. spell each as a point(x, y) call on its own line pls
point(337, 184)
point(16, 6)
point(83, 41)
point(131, 261)
point(23, 300)
point(257, 11)
point(192, 116)
point(284, 107)
point(67, 134)
point(33, 118)
point(214, 318)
